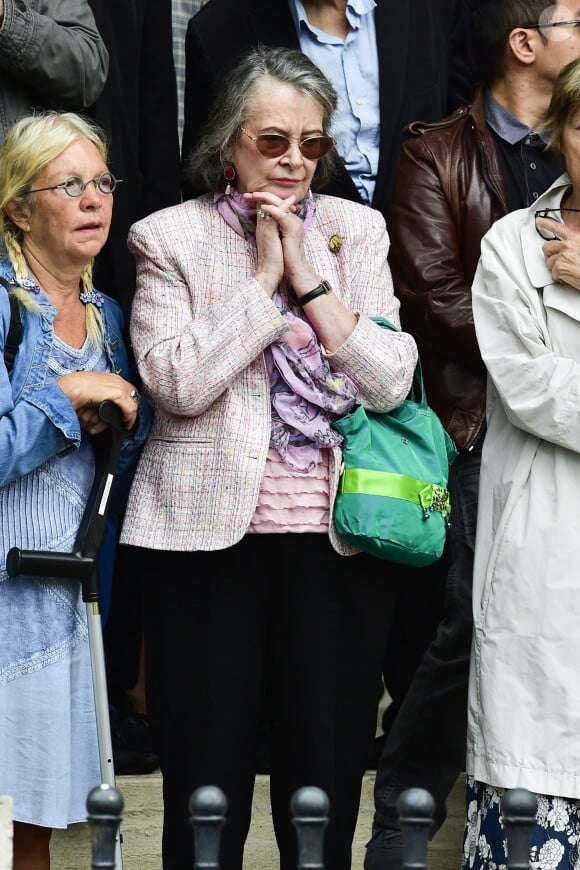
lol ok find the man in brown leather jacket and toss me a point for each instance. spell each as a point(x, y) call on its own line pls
point(454, 179)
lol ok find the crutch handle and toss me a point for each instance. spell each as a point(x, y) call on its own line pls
point(38, 564)
point(111, 414)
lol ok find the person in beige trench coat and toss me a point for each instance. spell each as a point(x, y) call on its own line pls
point(524, 703)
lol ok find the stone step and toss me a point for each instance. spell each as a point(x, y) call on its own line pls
point(142, 820)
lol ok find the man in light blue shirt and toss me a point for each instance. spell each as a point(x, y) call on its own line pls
point(352, 66)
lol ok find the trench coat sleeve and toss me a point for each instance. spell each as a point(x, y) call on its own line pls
point(54, 47)
point(539, 389)
point(431, 278)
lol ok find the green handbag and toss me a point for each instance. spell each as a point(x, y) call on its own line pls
point(392, 499)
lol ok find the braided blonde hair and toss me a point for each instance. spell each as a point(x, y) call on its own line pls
point(30, 145)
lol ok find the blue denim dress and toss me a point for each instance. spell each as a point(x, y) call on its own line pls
point(49, 756)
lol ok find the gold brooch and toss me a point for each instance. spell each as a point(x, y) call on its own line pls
point(335, 243)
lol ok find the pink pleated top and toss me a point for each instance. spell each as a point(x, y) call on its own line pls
point(292, 502)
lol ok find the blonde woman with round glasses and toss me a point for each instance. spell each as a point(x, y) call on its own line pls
point(55, 212)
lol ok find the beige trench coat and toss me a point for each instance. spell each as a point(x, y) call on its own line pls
point(524, 695)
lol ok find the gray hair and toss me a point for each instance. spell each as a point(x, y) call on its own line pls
point(233, 105)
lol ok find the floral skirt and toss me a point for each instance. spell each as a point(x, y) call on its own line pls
point(556, 840)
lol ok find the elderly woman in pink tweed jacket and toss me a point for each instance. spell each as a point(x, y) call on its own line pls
point(252, 331)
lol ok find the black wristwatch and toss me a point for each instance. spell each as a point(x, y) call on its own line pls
point(321, 290)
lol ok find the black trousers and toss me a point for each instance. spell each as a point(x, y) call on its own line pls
point(277, 616)
point(417, 611)
point(426, 744)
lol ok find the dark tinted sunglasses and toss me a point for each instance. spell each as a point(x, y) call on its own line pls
point(274, 144)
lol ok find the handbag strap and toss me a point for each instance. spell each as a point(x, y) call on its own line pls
point(15, 329)
point(417, 391)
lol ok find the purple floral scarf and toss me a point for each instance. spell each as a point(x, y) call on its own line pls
point(305, 394)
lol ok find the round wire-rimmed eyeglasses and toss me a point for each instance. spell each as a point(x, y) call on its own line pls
point(275, 144)
point(75, 186)
point(551, 214)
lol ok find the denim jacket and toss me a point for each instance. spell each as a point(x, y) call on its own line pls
point(38, 421)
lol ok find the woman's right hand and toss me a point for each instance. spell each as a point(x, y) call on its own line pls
point(563, 253)
point(86, 391)
point(270, 269)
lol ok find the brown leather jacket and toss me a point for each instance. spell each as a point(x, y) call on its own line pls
point(448, 191)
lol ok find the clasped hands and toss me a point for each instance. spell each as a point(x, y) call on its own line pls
point(563, 253)
point(280, 244)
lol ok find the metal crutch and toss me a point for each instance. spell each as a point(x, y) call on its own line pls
point(82, 565)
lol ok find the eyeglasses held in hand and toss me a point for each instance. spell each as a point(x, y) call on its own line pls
point(551, 214)
point(575, 22)
point(75, 186)
point(274, 144)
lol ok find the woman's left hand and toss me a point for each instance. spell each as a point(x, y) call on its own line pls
point(332, 321)
point(563, 254)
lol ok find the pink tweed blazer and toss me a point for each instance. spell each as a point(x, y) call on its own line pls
point(199, 326)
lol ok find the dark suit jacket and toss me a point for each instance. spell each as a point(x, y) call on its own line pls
point(138, 109)
point(423, 69)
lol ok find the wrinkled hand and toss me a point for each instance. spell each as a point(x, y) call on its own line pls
point(563, 254)
point(280, 243)
point(86, 391)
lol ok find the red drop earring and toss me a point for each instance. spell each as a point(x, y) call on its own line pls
point(229, 175)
